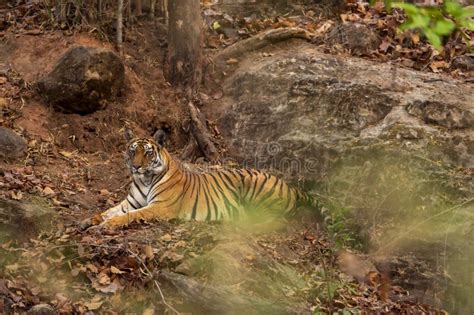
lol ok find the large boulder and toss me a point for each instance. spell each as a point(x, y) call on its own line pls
point(317, 107)
point(12, 145)
point(83, 80)
point(388, 151)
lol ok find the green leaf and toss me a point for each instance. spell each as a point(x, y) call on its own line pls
point(467, 12)
point(433, 38)
point(409, 8)
point(444, 27)
point(468, 24)
point(453, 8)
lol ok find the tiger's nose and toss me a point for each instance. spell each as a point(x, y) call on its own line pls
point(135, 166)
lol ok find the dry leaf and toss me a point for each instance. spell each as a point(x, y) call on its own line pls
point(92, 306)
point(92, 268)
point(48, 191)
point(103, 279)
point(166, 238)
point(115, 270)
point(232, 61)
point(149, 311)
point(415, 38)
point(384, 46)
point(435, 66)
point(148, 250)
point(17, 195)
point(66, 154)
point(324, 28)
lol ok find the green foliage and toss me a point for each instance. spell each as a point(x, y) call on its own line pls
point(436, 22)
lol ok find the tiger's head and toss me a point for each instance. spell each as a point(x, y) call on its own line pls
point(146, 157)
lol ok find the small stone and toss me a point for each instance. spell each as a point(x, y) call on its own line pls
point(12, 145)
point(42, 309)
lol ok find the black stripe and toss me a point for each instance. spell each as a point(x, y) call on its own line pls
point(131, 203)
point(207, 191)
point(222, 194)
point(141, 192)
point(228, 205)
point(156, 193)
point(269, 193)
point(193, 214)
point(220, 174)
point(261, 187)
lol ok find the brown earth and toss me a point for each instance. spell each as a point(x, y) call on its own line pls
point(89, 147)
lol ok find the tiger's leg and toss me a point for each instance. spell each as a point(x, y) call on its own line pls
point(146, 213)
point(117, 210)
point(120, 209)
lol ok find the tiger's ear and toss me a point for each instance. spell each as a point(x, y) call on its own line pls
point(160, 137)
point(128, 134)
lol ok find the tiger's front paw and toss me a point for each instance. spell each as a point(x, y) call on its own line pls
point(87, 223)
point(116, 222)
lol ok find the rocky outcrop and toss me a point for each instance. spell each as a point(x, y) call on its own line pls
point(316, 107)
point(388, 151)
point(12, 145)
point(83, 80)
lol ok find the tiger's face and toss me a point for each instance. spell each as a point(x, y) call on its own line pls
point(144, 159)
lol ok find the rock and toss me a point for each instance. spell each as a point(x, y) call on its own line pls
point(385, 149)
point(23, 220)
point(332, 106)
point(359, 39)
point(465, 62)
point(42, 309)
point(12, 145)
point(449, 116)
point(83, 80)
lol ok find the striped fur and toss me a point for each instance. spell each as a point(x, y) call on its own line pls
point(163, 187)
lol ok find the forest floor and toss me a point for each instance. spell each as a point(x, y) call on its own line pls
point(74, 168)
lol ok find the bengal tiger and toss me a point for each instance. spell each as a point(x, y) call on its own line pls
point(163, 187)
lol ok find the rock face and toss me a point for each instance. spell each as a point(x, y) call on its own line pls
point(387, 149)
point(12, 145)
point(317, 107)
point(83, 80)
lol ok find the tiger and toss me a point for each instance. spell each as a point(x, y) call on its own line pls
point(165, 188)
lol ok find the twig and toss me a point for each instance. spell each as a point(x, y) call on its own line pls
point(261, 40)
point(327, 279)
point(155, 282)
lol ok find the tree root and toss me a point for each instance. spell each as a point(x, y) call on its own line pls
point(200, 133)
point(261, 40)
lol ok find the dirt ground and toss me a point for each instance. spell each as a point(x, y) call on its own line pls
point(86, 150)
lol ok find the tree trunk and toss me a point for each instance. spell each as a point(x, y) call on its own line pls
point(152, 8)
point(138, 8)
point(164, 7)
point(119, 25)
point(184, 44)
